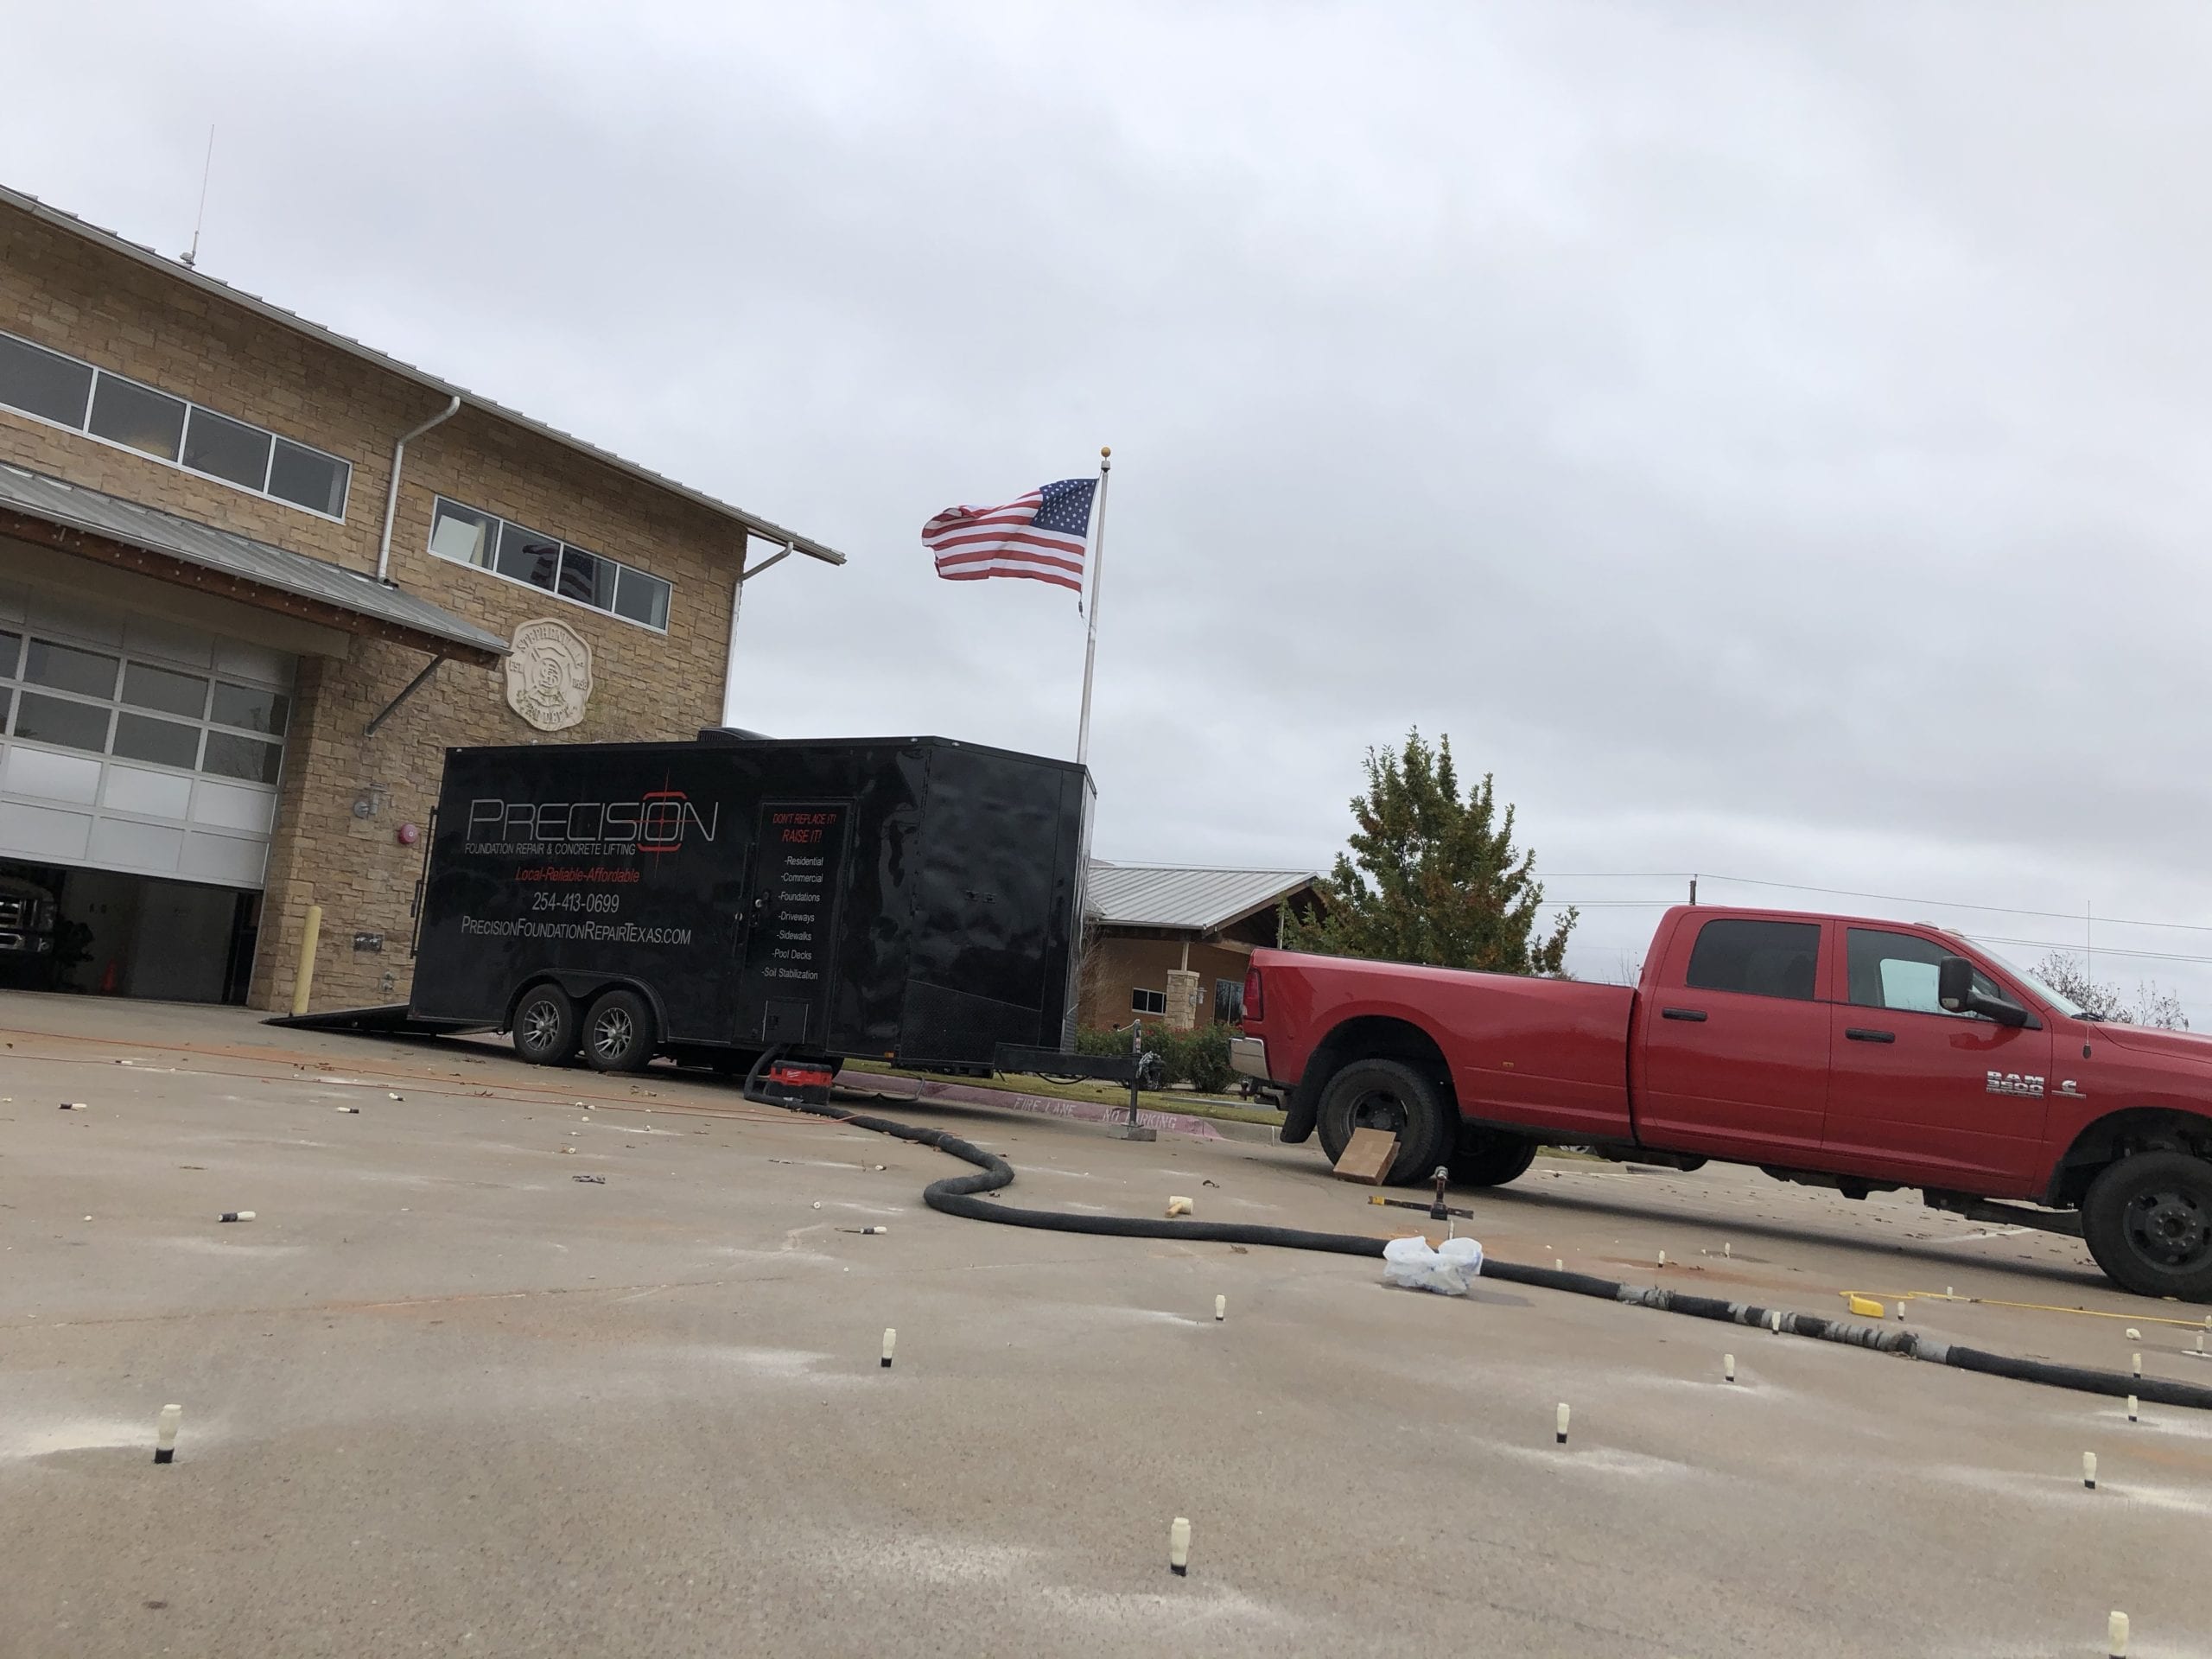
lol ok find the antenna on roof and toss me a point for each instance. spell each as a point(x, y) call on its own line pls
point(207, 167)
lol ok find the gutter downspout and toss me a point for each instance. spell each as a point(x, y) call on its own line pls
point(391, 494)
point(737, 604)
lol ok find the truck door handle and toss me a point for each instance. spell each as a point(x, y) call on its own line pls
point(1696, 1014)
point(1863, 1034)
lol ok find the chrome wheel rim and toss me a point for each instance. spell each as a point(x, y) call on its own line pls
point(541, 1023)
point(611, 1033)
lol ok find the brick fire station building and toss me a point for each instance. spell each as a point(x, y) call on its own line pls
point(255, 577)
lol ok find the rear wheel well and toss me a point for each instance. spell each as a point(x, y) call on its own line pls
point(2120, 1135)
point(1370, 1037)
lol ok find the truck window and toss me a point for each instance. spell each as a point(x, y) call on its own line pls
point(1763, 958)
point(1897, 970)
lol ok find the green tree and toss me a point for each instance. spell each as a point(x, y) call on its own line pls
point(1430, 877)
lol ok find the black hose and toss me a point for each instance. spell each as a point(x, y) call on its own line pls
point(962, 1195)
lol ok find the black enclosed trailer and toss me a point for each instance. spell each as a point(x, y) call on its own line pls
point(913, 900)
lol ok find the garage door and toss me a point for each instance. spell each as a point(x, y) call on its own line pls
point(129, 744)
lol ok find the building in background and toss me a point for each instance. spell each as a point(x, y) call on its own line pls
point(255, 579)
point(1171, 942)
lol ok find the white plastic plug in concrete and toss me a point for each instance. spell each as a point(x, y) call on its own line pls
point(1900, 1310)
point(2131, 1407)
point(2089, 1470)
point(165, 1433)
point(2116, 1636)
point(1220, 1308)
point(890, 1342)
point(1179, 1547)
point(1663, 1258)
point(2138, 1364)
point(1774, 1322)
point(1559, 1265)
point(1728, 1367)
point(236, 1215)
point(1723, 1247)
point(1562, 1423)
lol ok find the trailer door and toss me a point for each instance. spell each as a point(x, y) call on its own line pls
point(787, 952)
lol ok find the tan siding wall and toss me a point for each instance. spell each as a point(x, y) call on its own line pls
point(100, 307)
point(1118, 966)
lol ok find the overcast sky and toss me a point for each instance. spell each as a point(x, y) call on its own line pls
point(1772, 438)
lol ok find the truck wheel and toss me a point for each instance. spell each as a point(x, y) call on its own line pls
point(1390, 1096)
point(619, 1033)
point(1487, 1158)
point(545, 1026)
point(2148, 1221)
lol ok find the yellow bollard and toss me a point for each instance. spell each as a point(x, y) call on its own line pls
point(303, 976)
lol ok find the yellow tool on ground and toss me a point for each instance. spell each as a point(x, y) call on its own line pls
point(1863, 1308)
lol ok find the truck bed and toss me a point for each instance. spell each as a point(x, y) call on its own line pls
point(1549, 1053)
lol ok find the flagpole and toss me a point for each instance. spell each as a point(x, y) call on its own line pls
point(1097, 573)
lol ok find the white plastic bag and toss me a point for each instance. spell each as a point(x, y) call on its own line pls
point(1417, 1265)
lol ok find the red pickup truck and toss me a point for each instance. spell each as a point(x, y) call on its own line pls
point(1831, 1050)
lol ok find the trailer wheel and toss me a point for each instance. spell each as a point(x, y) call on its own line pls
point(619, 1033)
point(1391, 1096)
point(545, 1026)
point(1487, 1158)
point(2148, 1221)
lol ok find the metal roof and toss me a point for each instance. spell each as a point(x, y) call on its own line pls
point(1198, 899)
point(77, 508)
point(276, 314)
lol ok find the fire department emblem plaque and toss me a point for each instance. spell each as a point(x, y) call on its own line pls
point(549, 674)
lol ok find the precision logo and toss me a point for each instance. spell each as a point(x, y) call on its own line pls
point(659, 821)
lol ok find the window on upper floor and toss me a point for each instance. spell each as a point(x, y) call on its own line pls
point(471, 536)
point(49, 386)
point(1147, 1001)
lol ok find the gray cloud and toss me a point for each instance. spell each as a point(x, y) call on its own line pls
point(1769, 437)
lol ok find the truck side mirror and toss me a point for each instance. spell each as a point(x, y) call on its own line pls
point(1954, 991)
point(1954, 983)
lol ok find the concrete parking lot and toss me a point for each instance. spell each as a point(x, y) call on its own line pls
point(440, 1397)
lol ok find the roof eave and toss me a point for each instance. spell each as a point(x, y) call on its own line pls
point(103, 546)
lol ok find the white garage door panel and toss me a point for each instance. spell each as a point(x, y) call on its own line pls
point(235, 861)
point(233, 806)
point(147, 792)
point(42, 832)
point(125, 844)
point(51, 776)
point(135, 817)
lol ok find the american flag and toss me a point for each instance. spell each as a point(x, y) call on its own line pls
point(1041, 536)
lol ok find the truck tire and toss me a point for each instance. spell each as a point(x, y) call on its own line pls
point(2148, 1221)
point(545, 1026)
point(1491, 1158)
point(618, 1032)
point(1387, 1094)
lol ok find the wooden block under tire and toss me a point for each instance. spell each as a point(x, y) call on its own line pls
point(1368, 1156)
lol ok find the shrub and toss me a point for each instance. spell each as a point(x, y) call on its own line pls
point(1200, 1057)
point(1205, 1059)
